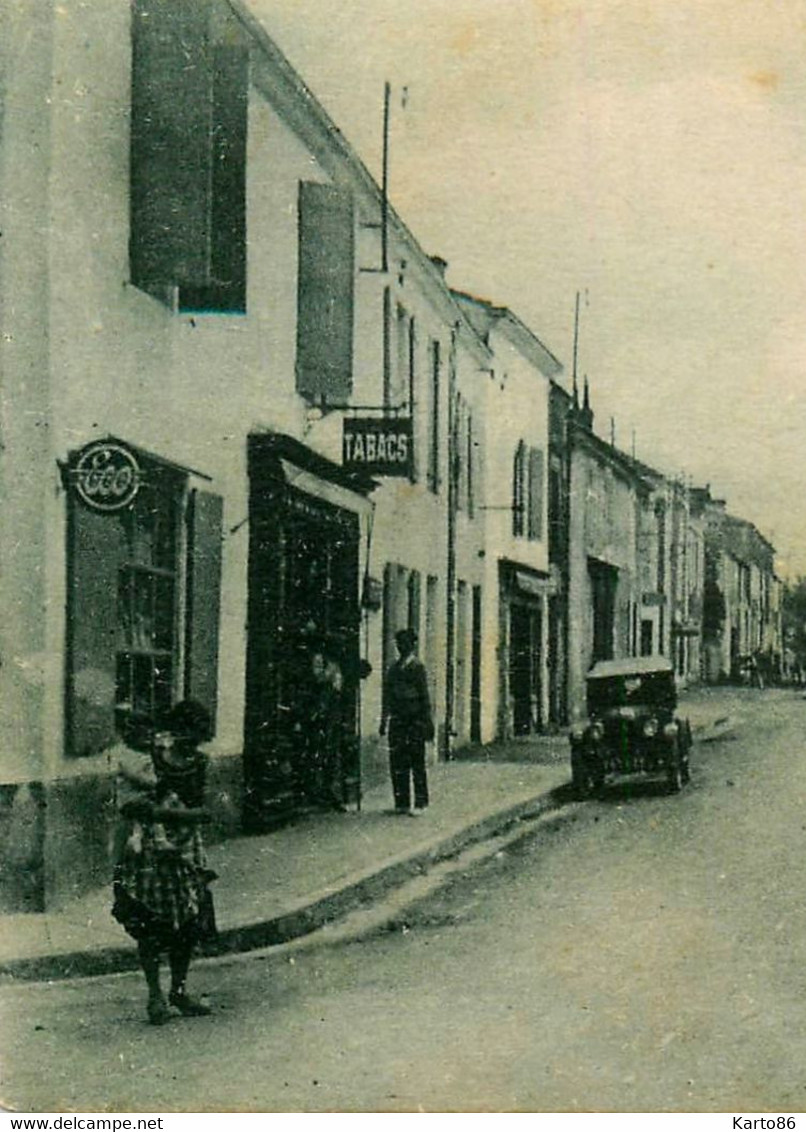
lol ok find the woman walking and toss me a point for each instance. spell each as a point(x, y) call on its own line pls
point(161, 894)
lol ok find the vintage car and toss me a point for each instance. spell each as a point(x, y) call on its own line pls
point(631, 727)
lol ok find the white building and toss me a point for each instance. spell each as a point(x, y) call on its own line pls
point(517, 581)
point(194, 298)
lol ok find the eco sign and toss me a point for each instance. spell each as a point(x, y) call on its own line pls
point(380, 446)
point(106, 476)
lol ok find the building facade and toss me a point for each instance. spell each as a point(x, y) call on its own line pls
point(205, 302)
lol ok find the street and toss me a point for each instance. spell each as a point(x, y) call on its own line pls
point(640, 952)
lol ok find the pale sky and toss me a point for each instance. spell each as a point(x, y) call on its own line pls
point(652, 152)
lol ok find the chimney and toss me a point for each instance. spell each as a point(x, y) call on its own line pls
point(440, 264)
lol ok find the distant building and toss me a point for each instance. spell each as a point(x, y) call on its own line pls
point(741, 616)
point(518, 660)
point(604, 598)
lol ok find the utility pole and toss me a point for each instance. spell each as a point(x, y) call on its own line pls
point(387, 92)
point(576, 348)
point(450, 602)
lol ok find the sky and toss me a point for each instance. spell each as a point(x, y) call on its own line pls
point(650, 154)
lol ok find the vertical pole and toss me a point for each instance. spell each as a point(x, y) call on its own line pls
point(450, 604)
point(387, 90)
point(576, 348)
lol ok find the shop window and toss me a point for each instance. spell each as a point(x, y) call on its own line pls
point(189, 103)
point(131, 575)
point(147, 593)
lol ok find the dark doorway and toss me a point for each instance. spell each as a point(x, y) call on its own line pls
point(647, 632)
point(525, 624)
point(603, 580)
point(303, 599)
point(475, 669)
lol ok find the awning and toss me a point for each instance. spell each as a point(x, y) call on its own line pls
point(530, 585)
point(277, 458)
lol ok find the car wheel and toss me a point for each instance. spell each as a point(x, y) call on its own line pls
point(674, 770)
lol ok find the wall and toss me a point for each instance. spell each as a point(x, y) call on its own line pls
point(602, 526)
point(516, 409)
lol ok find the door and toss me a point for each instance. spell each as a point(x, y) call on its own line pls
point(475, 669)
point(303, 600)
point(520, 667)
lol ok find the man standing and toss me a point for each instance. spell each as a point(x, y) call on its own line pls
point(407, 709)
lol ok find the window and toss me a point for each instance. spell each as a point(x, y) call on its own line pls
point(460, 454)
point(433, 420)
point(412, 377)
point(145, 667)
point(189, 102)
point(535, 524)
point(470, 460)
point(518, 490)
point(143, 606)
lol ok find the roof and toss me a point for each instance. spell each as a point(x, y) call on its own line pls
point(484, 315)
point(630, 666)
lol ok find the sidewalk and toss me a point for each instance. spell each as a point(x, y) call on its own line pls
point(284, 884)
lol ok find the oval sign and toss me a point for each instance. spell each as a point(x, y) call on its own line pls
point(107, 476)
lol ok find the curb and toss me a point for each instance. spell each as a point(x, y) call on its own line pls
point(312, 913)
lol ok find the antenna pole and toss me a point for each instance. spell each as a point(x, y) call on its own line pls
point(576, 347)
point(387, 91)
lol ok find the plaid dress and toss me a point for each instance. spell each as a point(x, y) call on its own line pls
point(161, 873)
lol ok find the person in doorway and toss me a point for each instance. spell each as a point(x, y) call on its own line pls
point(161, 893)
point(321, 728)
point(407, 712)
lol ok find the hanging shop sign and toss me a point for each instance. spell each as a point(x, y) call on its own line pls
point(380, 446)
point(106, 476)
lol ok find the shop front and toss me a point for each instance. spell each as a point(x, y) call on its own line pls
point(524, 594)
point(304, 618)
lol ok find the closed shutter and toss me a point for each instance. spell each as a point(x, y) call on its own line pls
point(535, 493)
point(326, 277)
point(188, 156)
point(97, 545)
point(171, 122)
point(203, 602)
point(414, 601)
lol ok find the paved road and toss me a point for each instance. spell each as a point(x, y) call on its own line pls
point(640, 953)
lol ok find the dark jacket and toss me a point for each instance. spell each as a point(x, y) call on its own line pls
point(407, 703)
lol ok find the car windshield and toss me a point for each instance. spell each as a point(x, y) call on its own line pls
point(652, 690)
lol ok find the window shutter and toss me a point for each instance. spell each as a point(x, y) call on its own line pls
point(535, 493)
point(326, 276)
point(187, 157)
point(518, 492)
point(203, 601)
point(171, 121)
point(414, 601)
point(96, 546)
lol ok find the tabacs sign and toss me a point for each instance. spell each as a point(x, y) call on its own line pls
point(380, 446)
